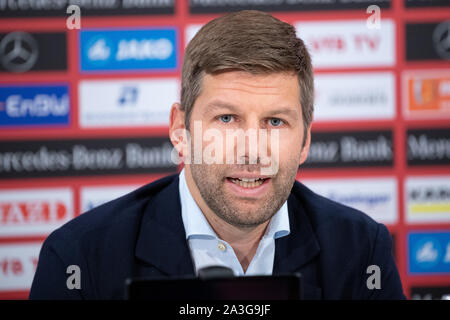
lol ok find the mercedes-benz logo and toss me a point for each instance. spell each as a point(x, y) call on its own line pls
point(18, 51)
point(441, 39)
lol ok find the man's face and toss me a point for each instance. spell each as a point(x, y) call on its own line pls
point(235, 100)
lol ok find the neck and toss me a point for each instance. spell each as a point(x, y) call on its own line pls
point(243, 240)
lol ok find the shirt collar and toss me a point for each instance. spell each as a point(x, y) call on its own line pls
point(195, 223)
point(279, 224)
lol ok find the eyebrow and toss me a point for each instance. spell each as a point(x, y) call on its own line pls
point(218, 105)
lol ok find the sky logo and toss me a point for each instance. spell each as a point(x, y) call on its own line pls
point(137, 49)
point(128, 96)
point(126, 102)
point(34, 105)
point(429, 252)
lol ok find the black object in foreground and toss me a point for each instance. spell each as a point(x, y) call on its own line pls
point(216, 283)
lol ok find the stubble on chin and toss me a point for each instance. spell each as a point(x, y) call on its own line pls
point(210, 181)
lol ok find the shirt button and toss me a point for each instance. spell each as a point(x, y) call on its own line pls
point(221, 246)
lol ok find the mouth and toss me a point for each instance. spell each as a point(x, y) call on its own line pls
point(248, 187)
point(248, 183)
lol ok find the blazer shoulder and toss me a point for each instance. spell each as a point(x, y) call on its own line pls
point(115, 216)
point(350, 241)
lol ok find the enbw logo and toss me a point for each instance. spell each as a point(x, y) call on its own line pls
point(34, 105)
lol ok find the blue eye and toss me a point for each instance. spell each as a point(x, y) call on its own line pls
point(276, 122)
point(226, 118)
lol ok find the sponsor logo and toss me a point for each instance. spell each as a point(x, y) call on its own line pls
point(428, 147)
point(426, 94)
point(441, 40)
point(427, 3)
point(222, 6)
point(430, 293)
point(18, 264)
point(354, 96)
point(57, 158)
point(34, 105)
point(19, 51)
point(350, 149)
point(348, 43)
point(129, 102)
point(376, 197)
point(92, 197)
point(36, 8)
point(427, 199)
point(428, 41)
point(22, 51)
point(429, 252)
point(146, 49)
point(25, 212)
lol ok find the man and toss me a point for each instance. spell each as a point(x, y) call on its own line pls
point(236, 202)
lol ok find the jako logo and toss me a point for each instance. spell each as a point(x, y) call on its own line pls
point(144, 49)
point(128, 49)
point(99, 50)
point(34, 105)
point(429, 252)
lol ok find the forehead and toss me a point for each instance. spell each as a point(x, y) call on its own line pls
point(271, 83)
point(247, 90)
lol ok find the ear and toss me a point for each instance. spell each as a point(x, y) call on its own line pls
point(305, 149)
point(177, 130)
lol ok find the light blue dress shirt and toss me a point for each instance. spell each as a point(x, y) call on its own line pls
point(208, 250)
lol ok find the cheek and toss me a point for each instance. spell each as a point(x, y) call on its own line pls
point(289, 144)
point(214, 144)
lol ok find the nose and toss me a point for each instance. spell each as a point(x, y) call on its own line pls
point(249, 144)
point(252, 141)
point(254, 146)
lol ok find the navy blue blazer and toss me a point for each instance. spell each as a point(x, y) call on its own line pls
point(142, 235)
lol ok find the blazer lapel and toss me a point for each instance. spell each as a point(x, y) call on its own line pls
point(298, 251)
point(162, 241)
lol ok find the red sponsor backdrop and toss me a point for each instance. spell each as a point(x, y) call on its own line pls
point(29, 210)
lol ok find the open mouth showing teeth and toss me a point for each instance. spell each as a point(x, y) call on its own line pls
point(247, 183)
